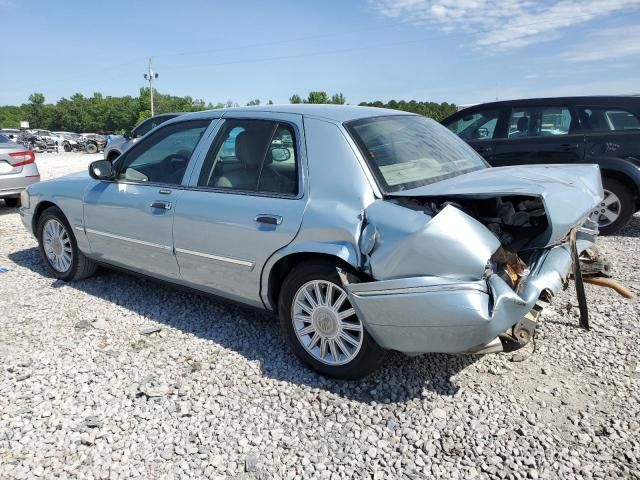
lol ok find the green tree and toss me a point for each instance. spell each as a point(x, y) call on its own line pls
point(318, 97)
point(35, 111)
point(253, 103)
point(338, 99)
point(437, 111)
point(295, 98)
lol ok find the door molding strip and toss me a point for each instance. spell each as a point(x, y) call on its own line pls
point(243, 263)
point(127, 239)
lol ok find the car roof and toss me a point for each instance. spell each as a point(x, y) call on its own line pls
point(335, 113)
point(593, 99)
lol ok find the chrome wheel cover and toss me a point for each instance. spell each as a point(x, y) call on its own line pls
point(326, 324)
point(57, 245)
point(607, 211)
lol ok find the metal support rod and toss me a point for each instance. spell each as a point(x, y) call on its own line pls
point(577, 278)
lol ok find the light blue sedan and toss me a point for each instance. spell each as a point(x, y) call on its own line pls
point(365, 229)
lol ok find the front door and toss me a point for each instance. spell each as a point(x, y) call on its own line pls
point(478, 129)
point(537, 135)
point(129, 220)
point(243, 204)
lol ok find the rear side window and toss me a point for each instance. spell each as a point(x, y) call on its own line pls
point(539, 121)
point(475, 126)
point(608, 119)
point(252, 156)
point(4, 139)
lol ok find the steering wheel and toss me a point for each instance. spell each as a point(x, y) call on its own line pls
point(174, 165)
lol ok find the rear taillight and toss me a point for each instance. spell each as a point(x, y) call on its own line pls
point(23, 158)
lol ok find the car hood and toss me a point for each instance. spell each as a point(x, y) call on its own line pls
point(569, 192)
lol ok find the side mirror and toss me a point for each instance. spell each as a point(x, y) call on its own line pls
point(102, 170)
point(127, 135)
point(280, 154)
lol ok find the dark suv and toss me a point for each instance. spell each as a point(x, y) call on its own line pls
point(601, 130)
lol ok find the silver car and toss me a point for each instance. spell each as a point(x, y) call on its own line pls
point(116, 144)
point(18, 170)
point(365, 229)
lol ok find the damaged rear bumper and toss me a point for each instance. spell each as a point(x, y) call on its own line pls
point(434, 314)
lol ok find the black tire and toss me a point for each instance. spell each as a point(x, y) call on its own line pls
point(92, 148)
point(113, 155)
point(12, 202)
point(81, 267)
point(627, 205)
point(370, 355)
point(67, 147)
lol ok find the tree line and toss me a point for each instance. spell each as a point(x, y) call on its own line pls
point(117, 114)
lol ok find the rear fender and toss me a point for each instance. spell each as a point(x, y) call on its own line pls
point(410, 243)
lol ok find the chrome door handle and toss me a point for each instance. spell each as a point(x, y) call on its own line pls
point(269, 219)
point(162, 205)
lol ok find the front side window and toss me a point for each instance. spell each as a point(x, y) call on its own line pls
point(410, 151)
point(252, 156)
point(144, 128)
point(539, 121)
point(608, 119)
point(163, 157)
point(475, 126)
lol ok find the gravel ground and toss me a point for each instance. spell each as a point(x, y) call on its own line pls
point(117, 377)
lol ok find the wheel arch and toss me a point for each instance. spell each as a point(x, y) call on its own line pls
point(40, 208)
point(281, 263)
point(623, 171)
point(112, 155)
point(626, 181)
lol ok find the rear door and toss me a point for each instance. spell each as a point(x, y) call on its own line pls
point(539, 134)
point(243, 203)
point(610, 131)
point(478, 127)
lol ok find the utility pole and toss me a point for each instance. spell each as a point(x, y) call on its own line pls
point(150, 76)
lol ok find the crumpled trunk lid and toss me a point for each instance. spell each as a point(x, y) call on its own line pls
point(569, 192)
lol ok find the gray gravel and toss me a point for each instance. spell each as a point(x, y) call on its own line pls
point(117, 377)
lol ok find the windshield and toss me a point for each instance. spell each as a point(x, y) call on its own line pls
point(410, 151)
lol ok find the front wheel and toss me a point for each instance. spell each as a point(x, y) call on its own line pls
point(321, 326)
point(92, 148)
point(616, 209)
point(59, 249)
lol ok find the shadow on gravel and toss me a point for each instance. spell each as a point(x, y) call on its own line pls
point(255, 334)
point(4, 210)
point(631, 229)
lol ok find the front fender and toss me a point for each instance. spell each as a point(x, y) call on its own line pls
point(67, 193)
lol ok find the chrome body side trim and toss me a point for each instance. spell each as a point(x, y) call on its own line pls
point(242, 263)
point(127, 239)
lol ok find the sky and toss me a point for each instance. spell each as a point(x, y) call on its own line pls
point(460, 51)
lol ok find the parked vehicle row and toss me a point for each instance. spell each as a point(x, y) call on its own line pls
point(365, 229)
point(47, 141)
point(574, 130)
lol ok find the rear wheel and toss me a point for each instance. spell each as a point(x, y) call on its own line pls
point(616, 209)
point(12, 202)
point(59, 249)
point(321, 326)
point(92, 148)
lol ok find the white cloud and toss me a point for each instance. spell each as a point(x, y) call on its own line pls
point(503, 24)
point(606, 45)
